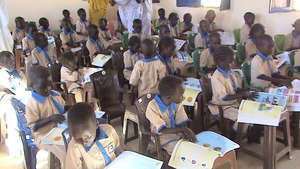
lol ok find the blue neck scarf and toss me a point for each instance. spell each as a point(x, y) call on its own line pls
point(295, 34)
point(45, 50)
point(96, 41)
point(225, 73)
point(45, 30)
point(40, 98)
point(29, 36)
point(163, 107)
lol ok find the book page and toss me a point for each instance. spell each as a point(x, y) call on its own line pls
point(190, 96)
point(179, 43)
point(54, 137)
point(227, 38)
point(100, 60)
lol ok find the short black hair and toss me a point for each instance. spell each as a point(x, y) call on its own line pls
point(66, 57)
point(19, 18)
point(222, 52)
point(43, 20)
point(80, 10)
point(173, 15)
point(161, 9)
point(65, 10)
point(6, 56)
point(134, 40)
point(30, 25)
point(137, 21)
point(186, 15)
point(249, 14)
point(91, 27)
point(79, 115)
point(255, 28)
point(37, 72)
point(168, 84)
point(264, 39)
point(148, 42)
point(163, 26)
point(36, 37)
point(165, 42)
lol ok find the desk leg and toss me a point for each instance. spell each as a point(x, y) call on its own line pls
point(297, 130)
point(269, 147)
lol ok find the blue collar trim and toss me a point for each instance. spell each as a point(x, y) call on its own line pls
point(148, 59)
point(101, 135)
point(18, 30)
point(263, 57)
point(83, 20)
point(253, 40)
point(163, 58)
point(29, 36)
point(94, 40)
point(39, 49)
point(162, 106)
point(162, 19)
point(295, 34)
point(225, 73)
point(45, 30)
point(14, 73)
point(68, 32)
point(40, 98)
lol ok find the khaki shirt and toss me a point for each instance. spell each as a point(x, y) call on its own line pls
point(261, 67)
point(18, 36)
point(244, 34)
point(71, 78)
point(28, 45)
point(212, 26)
point(65, 38)
point(146, 75)
point(129, 62)
point(39, 57)
point(291, 42)
point(201, 42)
point(79, 158)
point(250, 48)
point(94, 47)
point(174, 30)
point(207, 59)
point(104, 37)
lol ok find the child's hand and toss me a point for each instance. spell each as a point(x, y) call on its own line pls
point(253, 95)
point(189, 135)
point(57, 118)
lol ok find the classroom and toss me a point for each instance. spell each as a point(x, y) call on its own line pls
point(150, 84)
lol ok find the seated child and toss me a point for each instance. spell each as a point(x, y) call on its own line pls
point(70, 75)
point(201, 39)
point(293, 39)
point(44, 110)
point(167, 116)
point(81, 25)
point(66, 14)
point(256, 31)
point(166, 48)
point(188, 26)
point(104, 34)
point(44, 27)
point(137, 29)
point(173, 24)
point(264, 72)
point(68, 37)
point(94, 45)
point(207, 60)
point(164, 31)
point(210, 17)
point(19, 33)
point(28, 41)
point(249, 18)
point(183, 61)
point(162, 20)
point(92, 145)
point(131, 56)
point(148, 71)
point(43, 55)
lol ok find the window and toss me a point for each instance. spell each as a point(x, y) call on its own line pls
point(211, 3)
point(199, 3)
point(296, 4)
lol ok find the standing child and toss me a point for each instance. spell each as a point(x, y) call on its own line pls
point(201, 39)
point(162, 20)
point(94, 45)
point(167, 115)
point(92, 145)
point(44, 27)
point(293, 39)
point(28, 41)
point(66, 14)
point(210, 17)
point(249, 18)
point(173, 24)
point(44, 110)
point(256, 31)
point(166, 52)
point(131, 56)
point(68, 37)
point(188, 27)
point(148, 71)
point(82, 24)
point(19, 32)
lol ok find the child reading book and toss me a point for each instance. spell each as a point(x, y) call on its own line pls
point(93, 44)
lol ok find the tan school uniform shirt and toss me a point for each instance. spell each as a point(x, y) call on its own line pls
point(38, 56)
point(129, 61)
point(18, 35)
point(244, 34)
point(94, 46)
point(81, 26)
point(201, 40)
point(250, 48)
point(174, 30)
point(207, 59)
point(292, 41)
point(67, 37)
point(28, 44)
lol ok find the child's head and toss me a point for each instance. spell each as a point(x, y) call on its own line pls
point(265, 45)
point(224, 57)
point(7, 60)
point(167, 46)
point(20, 22)
point(249, 18)
point(137, 25)
point(171, 89)
point(66, 24)
point(148, 48)
point(93, 31)
point(173, 18)
point(40, 40)
point(44, 23)
point(161, 13)
point(102, 23)
point(204, 26)
point(39, 79)
point(82, 123)
point(134, 44)
point(214, 39)
point(210, 16)
point(187, 18)
point(257, 31)
point(296, 25)
point(81, 13)
point(70, 61)
point(66, 13)
point(164, 31)
point(31, 28)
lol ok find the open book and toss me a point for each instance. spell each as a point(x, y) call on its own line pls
point(54, 137)
point(283, 58)
point(100, 60)
point(179, 43)
point(132, 160)
point(192, 89)
point(293, 97)
point(227, 38)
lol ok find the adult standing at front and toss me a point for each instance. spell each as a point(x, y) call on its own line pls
point(135, 9)
point(6, 41)
point(97, 10)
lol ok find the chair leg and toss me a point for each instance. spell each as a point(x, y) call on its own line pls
point(287, 136)
point(125, 129)
point(233, 161)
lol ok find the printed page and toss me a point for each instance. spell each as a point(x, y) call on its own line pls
point(227, 38)
point(54, 137)
point(190, 96)
point(100, 60)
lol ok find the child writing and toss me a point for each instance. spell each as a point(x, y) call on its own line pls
point(44, 110)
point(166, 48)
point(131, 56)
point(148, 71)
point(162, 20)
point(293, 39)
point(173, 21)
point(207, 60)
point(249, 18)
point(201, 39)
point(68, 37)
point(28, 41)
point(92, 145)
point(93, 44)
point(256, 31)
point(44, 27)
point(82, 24)
point(167, 116)
point(19, 32)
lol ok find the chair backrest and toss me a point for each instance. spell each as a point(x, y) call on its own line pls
point(141, 105)
point(292, 57)
point(246, 68)
point(206, 88)
point(125, 39)
point(237, 35)
point(241, 53)
point(191, 40)
point(279, 42)
point(196, 59)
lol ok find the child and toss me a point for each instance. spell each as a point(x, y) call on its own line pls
point(183, 61)
point(188, 27)
point(147, 72)
point(263, 70)
point(104, 34)
point(19, 32)
point(256, 31)
point(92, 145)
point(173, 20)
point(131, 56)
point(249, 18)
point(66, 14)
point(43, 54)
point(166, 49)
point(167, 116)
point(94, 45)
point(28, 41)
point(293, 39)
point(44, 110)
point(70, 75)
point(164, 31)
point(201, 39)
point(82, 24)
point(68, 37)
point(210, 17)
point(162, 20)
point(207, 60)
point(44, 27)
point(137, 29)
